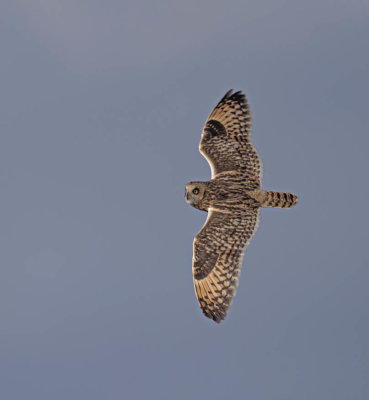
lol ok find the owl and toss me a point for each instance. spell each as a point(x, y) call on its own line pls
point(232, 199)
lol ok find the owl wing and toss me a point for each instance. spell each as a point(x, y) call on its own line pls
point(217, 258)
point(226, 138)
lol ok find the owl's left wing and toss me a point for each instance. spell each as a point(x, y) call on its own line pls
point(226, 139)
point(217, 258)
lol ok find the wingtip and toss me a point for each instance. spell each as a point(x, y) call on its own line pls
point(238, 96)
point(217, 315)
point(228, 94)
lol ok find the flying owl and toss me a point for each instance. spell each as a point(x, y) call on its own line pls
point(232, 198)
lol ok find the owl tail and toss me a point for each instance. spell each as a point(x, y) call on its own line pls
point(278, 199)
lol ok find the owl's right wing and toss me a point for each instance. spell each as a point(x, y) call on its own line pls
point(217, 258)
point(226, 138)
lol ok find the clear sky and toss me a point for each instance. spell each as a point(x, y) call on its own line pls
point(101, 109)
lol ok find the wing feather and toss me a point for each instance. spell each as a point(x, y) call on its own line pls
point(217, 258)
point(226, 138)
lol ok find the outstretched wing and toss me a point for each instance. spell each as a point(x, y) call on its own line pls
point(226, 138)
point(217, 258)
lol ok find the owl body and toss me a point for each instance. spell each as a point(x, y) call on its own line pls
point(228, 192)
point(232, 198)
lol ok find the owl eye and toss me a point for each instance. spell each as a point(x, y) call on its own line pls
point(195, 191)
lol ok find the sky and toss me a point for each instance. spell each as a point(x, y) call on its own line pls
point(101, 110)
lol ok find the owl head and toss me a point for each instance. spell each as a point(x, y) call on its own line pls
point(195, 192)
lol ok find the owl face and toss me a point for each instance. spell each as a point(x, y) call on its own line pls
point(194, 192)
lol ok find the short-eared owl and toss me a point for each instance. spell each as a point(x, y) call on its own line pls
point(232, 198)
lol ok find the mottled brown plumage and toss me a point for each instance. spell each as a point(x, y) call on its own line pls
point(232, 198)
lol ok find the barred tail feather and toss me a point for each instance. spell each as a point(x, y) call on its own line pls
point(279, 200)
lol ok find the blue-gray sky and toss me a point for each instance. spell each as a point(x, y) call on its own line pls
point(101, 110)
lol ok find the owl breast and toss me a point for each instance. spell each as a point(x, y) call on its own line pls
point(229, 194)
